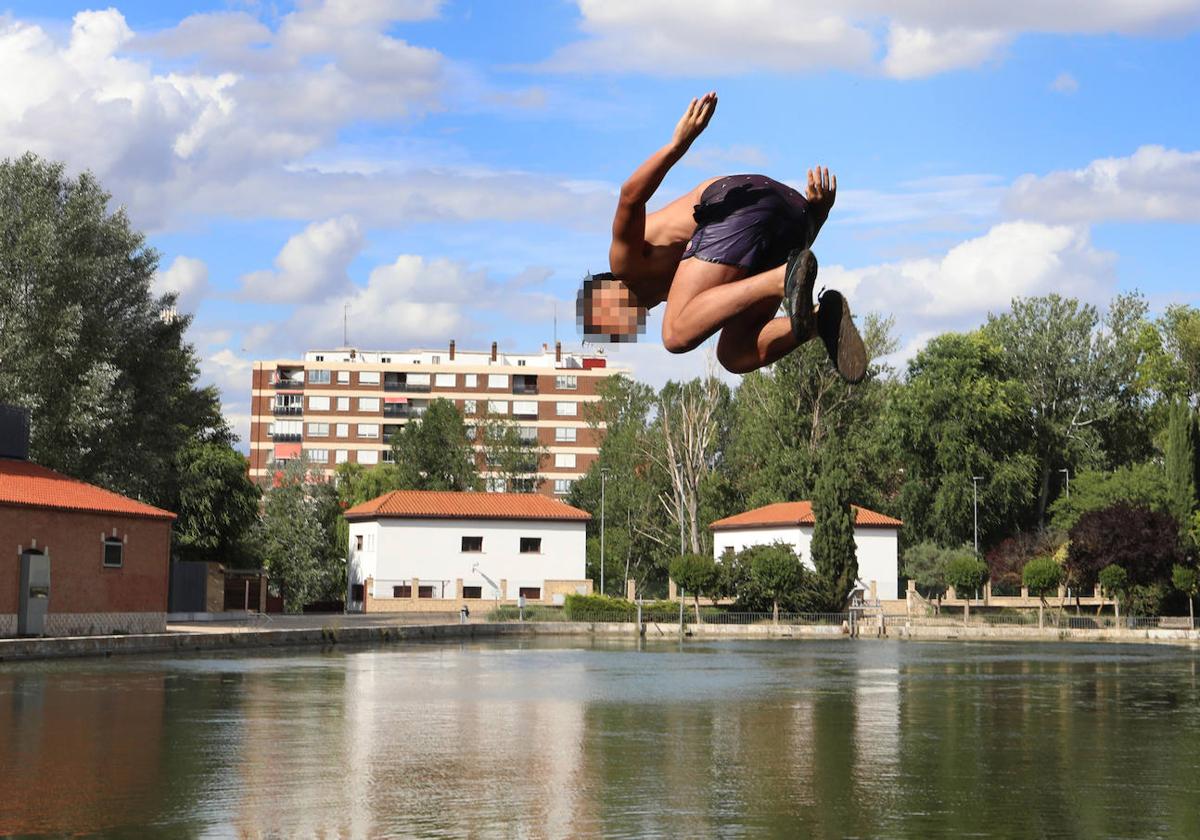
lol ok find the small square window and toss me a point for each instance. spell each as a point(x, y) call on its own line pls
point(531, 545)
point(424, 591)
point(472, 591)
point(114, 553)
point(532, 593)
point(358, 542)
point(472, 544)
point(403, 591)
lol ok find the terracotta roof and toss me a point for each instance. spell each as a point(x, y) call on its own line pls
point(432, 504)
point(27, 484)
point(798, 513)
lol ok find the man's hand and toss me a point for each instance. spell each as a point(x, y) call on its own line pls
point(822, 189)
point(694, 121)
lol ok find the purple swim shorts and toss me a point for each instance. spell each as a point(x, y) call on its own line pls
point(750, 221)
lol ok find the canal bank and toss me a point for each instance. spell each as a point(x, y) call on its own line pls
point(346, 631)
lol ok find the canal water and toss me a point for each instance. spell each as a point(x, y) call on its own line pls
point(563, 738)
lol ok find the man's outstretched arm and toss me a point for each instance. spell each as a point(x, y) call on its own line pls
point(821, 194)
point(629, 222)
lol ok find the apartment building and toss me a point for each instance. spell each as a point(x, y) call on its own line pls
point(344, 405)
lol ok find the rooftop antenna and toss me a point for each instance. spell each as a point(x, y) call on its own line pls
point(345, 324)
point(555, 322)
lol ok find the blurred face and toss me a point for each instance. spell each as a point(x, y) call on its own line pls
point(608, 311)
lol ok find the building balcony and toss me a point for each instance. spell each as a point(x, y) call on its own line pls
point(287, 383)
point(404, 387)
point(524, 389)
point(399, 412)
point(287, 410)
point(285, 437)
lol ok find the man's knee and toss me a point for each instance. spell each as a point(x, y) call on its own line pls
point(674, 342)
point(736, 360)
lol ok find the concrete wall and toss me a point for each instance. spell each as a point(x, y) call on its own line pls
point(397, 551)
point(876, 549)
point(86, 597)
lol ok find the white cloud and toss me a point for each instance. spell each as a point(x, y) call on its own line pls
point(978, 276)
point(1064, 83)
point(310, 265)
point(230, 373)
point(723, 159)
point(721, 37)
point(1154, 183)
point(186, 277)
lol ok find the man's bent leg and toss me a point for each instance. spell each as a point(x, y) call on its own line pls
point(705, 296)
point(755, 339)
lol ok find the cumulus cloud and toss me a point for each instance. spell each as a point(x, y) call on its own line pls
point(311, 264)
point(186, 278)
point(681, 37)
point(1064, 83)
point(1152, 184)
point(958, 289)
point(230, 373)
point(724, 159)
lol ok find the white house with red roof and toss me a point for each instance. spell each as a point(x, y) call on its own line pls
point(75, 559)
point(414, 550)
point(875, 539)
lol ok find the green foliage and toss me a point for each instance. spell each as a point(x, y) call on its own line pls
point(965, 573)
point(510, 457)
point(1145, 543)
point(1181, 461)
point(833, 551)
point(695, 573)
point(927, 564)
point(582, 607)
point(433, 452)
point(1186, 579)
point(296, 537)
point(111, 384)
point(1042, 576)
point(1140, 485)
point(218, 505)
point(1114, 581)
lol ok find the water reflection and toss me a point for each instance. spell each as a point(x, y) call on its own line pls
point(559, 738)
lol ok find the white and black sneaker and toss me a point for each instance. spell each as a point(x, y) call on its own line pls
point(798, 283)
point(842, 340)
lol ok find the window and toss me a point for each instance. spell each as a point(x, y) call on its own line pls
point(387, 360)
point(318, 377)
point(368, 430)
point(564, 460)
point(530, 593)
point(368, 456)
point(114, 553)
point(389, 457)
point(527, 434)
point(472, 591)
point(497, 380)
point(525, 408)
point(497, 406)
point(419, 380)
point(495, 485)
point(562, 486)
point(471, 380)
point(520, 363)
point(472, 545)
point(469, 406)
point(358, 542)
point(424, 591)
point(368, 377)
point(318, 430)
point(318, 403)
point(402, 591)
point(445, 380)
point(531, 545)
point(566, 383)
point(565, 433)
point(343, 377)
point(343, 430)
point(318, 358)
point(566, 409)
point(343, 403)
point(472, 432)
point(317, 456)
point(341, 456)
point(368, 403)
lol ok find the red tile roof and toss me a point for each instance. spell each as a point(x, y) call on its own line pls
point(798, 513)
point(26, 484)
point(432, 504)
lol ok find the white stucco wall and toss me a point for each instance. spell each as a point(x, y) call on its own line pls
point(398, 550)
point(876, 549)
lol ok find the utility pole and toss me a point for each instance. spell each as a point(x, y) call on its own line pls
point(975, 479)
point(603, 477)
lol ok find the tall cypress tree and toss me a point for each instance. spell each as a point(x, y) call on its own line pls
point(1181, 462)
point(833, 551)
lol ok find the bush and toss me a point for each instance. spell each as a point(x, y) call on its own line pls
point(582, 607)
point(965, 574)
point(1042, 576)
point(1113, 581)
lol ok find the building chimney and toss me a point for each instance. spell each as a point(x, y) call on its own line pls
point(452, 349)
point(493, 351)
point(14, 432)
point(558, 352)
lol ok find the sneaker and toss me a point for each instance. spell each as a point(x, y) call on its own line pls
point(799, 278)
point(842, 341)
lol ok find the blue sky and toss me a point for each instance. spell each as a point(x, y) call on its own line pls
point(448, 169)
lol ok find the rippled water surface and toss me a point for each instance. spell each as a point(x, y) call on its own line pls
point(562, 738)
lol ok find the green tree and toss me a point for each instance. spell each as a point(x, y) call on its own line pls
point(296, 537)
point(110, 382)
point(1187, 580)
point(778, 574)
point(1181, 462)
point(833, 550)
point(511, 455)
point(966, 573)
point(433, 453)
point(1140, 485)
point(1041, 576)
point(218, 504)
point(1114, 583)
point(696, 574)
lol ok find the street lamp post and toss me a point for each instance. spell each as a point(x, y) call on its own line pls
point(603, 477)
point(1067, 472)
point(975, 479)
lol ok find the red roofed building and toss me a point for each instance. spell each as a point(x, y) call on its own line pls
point(76, 559)
point(414, 550)
point(875, 538)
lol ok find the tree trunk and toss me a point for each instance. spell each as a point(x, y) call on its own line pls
point(775, 612)
point(1041, 613)
point(1043, 495)
point(1191, 614)
point(966, 610)
point(696, 597)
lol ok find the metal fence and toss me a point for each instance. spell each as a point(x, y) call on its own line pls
point(658, 615)
point(1050, 619)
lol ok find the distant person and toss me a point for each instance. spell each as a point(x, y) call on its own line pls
point(723, 256)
